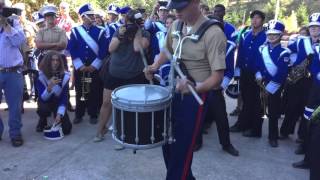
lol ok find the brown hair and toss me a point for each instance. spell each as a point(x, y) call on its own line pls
point(45, 65)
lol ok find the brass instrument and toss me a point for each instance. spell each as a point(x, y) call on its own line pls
point(299, 71)
point(263, 97)
point(86, 81)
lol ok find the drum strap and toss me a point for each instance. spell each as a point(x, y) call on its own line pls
point(202, 29)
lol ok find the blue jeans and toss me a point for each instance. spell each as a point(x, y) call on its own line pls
point(12, 85)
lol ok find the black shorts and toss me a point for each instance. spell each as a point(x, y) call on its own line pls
point(112, 83)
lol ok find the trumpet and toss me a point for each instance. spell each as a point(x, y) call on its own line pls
point(86, 81)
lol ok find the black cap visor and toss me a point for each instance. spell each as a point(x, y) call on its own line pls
point(178, 5)
point(50, 14)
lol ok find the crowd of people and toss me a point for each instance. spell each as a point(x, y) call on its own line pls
point(106, 50)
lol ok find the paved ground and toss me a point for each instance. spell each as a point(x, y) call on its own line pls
point(76, 157)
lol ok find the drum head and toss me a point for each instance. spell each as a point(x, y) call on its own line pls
point(141, 94)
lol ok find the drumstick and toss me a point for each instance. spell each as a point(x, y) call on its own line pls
point(191, 89)
point(144, 59)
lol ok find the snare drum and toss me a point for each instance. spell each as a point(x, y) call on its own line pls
point(141, 115)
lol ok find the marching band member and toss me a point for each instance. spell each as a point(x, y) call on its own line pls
point(204, 62)
point(52, 87)
point(158, 32)
point(272, 71)
point(157, 29)
point(123, 13)
point(298, 88)
point(88, 47)
point(311, 155)
point(290, 95)
point(113, 13)
point(216, 103)
point(314, 145)
point(250, 119)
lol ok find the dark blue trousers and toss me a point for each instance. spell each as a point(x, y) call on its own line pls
point(187, 118)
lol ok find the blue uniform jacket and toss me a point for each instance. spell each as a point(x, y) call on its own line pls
point(231, 34)
point(300, 49)
point(158, 33)
point(80, 51)
point(248, 51)
point(58, 94)
point(315, 64)
point(272, 66)
point(113, 27)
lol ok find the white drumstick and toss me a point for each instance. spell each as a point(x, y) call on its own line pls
point(191, 89)
point(144, 59)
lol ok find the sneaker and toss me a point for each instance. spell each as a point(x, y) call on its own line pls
point(98, 138)
point(119, 147)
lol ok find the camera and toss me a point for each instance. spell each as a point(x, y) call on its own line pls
point(57, 75)
point(7, 12)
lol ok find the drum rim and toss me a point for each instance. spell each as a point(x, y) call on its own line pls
point(139, 147)
point(120, 100)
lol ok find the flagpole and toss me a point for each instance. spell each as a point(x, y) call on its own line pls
point(276, 14)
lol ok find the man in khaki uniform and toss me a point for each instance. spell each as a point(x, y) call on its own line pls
point(205, 64)
point(51, 37)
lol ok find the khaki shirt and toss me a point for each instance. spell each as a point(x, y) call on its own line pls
point(52, 35)
point(203, 57)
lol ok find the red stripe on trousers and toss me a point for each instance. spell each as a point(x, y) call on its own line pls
point(194, 137)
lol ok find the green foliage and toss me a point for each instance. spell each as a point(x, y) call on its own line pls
point(302, 14)
point(237, 10)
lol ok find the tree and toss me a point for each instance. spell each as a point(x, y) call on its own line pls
point(302, 14)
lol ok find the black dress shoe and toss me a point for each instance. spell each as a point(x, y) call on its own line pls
point(197, 147)
point(299, 140)
point(77, 120)
point(70, 108)
point(231, 150)
point(273, 143)
point(283, 136)
point(42, 123)
point(235, 128)
point(235, 112)
point(301, 165)
point(249, 133)
point(299, 150)
point(93, 120)
point(17, 141)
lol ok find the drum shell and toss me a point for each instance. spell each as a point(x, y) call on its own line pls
point(144, 128)
point(136, 117)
